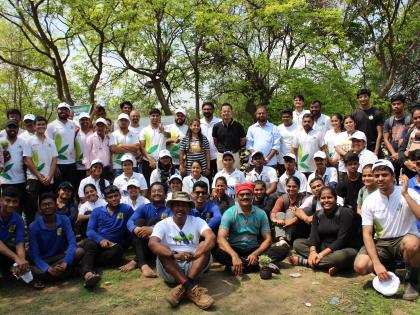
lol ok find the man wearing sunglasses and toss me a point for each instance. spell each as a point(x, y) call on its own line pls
point(107, 235)
point(181, 257)
point(204, 208)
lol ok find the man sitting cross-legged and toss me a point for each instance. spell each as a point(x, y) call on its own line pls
point(107, 235)
point(239, 232)
point(393, 211)
point(52, 243)
point(12, 232)
point(141, 226)
point(181, 257)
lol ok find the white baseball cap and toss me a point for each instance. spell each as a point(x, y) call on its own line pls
point(174, 177)
point(96, 161)
point(180, 110)
point(123, 116)
point(102, 121)
point(382, 162)
point(320, 154)
point(84, 115)
point(388, 287)
point(290, 155)
point(29, 117)
point(164, 153)
point(127, 157)
point(256, 153)
point(64, 105)
point(358, 135)
point(133, 182)
point(230, 153)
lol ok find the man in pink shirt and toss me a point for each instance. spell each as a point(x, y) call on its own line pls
point(97, 147)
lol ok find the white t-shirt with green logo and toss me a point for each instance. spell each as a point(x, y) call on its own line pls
point(42, 152)
point(63, 136)
point(80, 148)
point(176, 132)
point(13, 172)
point(116, 138)
point(154, 141)
point(391, 215)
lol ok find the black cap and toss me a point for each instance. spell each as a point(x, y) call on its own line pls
point(12, 122)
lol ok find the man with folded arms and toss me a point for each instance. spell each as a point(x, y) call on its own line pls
point(239, 232)
point(393, 211)
point(182, 258)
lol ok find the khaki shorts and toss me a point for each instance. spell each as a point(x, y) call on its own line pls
point(185, 267)
point(389, 250)
point(236, 163)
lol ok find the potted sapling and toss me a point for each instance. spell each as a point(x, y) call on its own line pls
point(264, 262)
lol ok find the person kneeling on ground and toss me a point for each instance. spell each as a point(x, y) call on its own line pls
point(393, 211)
point(181, 257)
point(241, 227)
point(107, 235)
point(141, 226)
point(334, 238)
point(12, 233)
point(52, 243)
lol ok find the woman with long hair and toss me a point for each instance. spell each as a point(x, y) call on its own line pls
point(331, 136)
point(194, 147)
point(164, 169)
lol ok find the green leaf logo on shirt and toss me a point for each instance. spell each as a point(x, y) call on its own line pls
point(118, 158)
point(378, 229)
point(6, 169)
point(152, 149)
point(58, 141)
point(35, 160)
point(302, 159)
point(174, 150)
point(79, 153)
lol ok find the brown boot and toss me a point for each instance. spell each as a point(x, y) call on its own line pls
point(176, 295)
point(200, 297)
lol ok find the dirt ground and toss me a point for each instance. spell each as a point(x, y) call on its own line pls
point(311, 293)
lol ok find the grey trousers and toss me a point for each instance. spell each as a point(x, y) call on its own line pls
point(340, 259)
point(282, 232)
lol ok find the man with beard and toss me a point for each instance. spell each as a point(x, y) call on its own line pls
point(203, 207)
point(135, 122)
point(80, 143)
point(241, 231)
point(358, 146)
point(370, 120)
point(123, 141)
point(229, 136)
point(13, 173)
point(63, 131)
point(181, 257)
point(126, 107)
point(40, 157)
point(305, 143)
point(264, 137)
point(176, 131)
point(152, 141)
point(13, 114)
point(141, 225)
point(322, 122)
point(207, 123)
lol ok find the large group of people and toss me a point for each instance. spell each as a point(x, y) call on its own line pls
point(342, 192)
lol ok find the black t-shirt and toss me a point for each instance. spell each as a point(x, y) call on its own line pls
point(349, 190)
point(367, 121)
point(228, 136)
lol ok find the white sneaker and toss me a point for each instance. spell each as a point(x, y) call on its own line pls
point(283, 243)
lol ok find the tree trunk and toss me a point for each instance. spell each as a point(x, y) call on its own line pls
point(197, 92)
point(161, 97)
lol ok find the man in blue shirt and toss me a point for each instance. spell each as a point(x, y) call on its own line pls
point(12, 231)
point(53, 246)
point(204, 208)
point(240, 231)
point(107, 235)
point(414, 182)
point(141, 225)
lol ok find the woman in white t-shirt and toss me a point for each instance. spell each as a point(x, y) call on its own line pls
point(92, 201)
point(134, 197)
point(96, 178)
point(343, 144)
point(189, 181)
point(331, 136)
